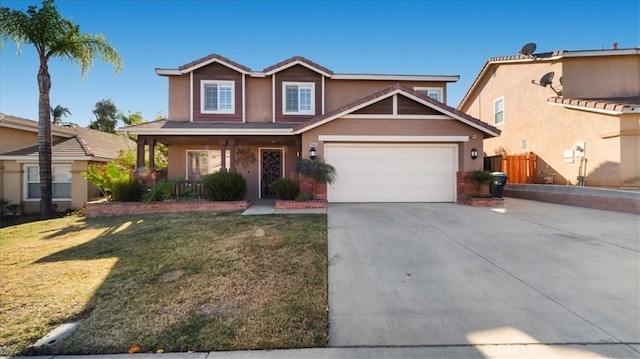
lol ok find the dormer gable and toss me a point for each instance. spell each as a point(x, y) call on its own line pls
point(202, 62)
point(297, 60)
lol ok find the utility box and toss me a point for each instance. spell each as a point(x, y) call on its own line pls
point(498, 183)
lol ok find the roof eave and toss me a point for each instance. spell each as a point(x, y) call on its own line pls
point(431, 78)
point(294, 63)
point(207, 131)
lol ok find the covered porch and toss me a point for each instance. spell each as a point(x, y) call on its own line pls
point(262, 153)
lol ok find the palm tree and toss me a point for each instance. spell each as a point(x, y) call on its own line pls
point(317, 170)
point(57, 113)
point(52, 36)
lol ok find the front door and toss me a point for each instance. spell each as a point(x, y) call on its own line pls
point(271, 169)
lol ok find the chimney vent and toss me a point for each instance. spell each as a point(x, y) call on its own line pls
point(615, 45)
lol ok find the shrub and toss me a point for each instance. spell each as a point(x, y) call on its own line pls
point(302, 196)
point(127, 190)
point(224, 186)
point(159, 192)
point(285, 188)
point(14, 208)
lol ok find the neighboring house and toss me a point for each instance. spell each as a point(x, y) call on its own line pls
point(391, 138)
point(73, 149)
point(582, 120)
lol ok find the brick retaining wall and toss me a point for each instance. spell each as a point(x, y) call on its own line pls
point(609, 203)
point(108, 209)
point(301, 204)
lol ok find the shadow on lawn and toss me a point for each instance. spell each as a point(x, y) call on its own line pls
point(161, 265)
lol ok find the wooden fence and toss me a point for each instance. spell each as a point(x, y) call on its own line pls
point(519, 168)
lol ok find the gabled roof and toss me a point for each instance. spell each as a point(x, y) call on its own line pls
point(78, 143)
point(293, 61)
point(539, 57)
point(204, 61)
point(607, 105)
point(297, 60)
point(405, 91)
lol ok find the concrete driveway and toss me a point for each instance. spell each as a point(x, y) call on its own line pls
point(447, 275)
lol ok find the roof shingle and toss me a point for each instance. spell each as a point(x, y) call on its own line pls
point(79, 142)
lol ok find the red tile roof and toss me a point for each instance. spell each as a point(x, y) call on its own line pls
point(617, 104)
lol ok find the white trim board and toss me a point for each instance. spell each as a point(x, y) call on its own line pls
point(347, 138)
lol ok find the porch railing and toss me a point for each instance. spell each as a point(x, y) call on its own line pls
point(196, 188)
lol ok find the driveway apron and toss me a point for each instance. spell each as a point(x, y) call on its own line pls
point(419, 274)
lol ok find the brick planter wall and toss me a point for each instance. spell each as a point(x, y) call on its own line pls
point(306, 186)
point(108, 209)
point(467, 189)
point(301, 204)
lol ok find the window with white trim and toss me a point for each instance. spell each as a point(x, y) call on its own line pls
point(61, 174)
point(202, 162)
point(498, 111)
point(217, 96)
point(432, 92)
point(298, 98)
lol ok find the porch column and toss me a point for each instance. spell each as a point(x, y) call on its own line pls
point(223, 151)
point(232, 155)
point(152, 160)
point(140, 153)
point(298, 143)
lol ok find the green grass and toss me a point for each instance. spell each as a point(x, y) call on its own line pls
point(175, 282)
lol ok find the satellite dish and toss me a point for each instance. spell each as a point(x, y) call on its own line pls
point(528, 49)
point(547, 79)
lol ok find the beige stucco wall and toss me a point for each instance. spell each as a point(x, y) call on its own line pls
point(12, 182)
point(259, 103)
point(400, 127)
point(549, 130)
point(178, 157)
point(179, 95)
point(342, 92)
point(607, 76)
point(12, 139)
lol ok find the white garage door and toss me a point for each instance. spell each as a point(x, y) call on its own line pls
point(392, 172)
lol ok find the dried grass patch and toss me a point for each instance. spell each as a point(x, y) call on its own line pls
point(175, 282)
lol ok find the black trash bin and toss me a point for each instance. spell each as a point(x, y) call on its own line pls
point(498, 183)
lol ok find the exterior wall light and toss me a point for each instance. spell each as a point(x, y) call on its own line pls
point(312, 153)
point(474, 153)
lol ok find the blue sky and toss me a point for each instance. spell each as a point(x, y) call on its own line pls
point(396, 37)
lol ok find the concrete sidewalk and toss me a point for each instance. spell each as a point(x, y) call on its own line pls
point(479, 351)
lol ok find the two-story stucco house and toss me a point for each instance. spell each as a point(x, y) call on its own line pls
point(390, 137)
point(577, 111)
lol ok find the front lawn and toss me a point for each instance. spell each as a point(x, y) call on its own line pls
point(170, 282)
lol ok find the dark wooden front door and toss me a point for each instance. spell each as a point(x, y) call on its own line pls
point(271, 163)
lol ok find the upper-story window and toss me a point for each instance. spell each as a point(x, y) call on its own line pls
point(298, 98)
point(217, 96)
point(432, 92)
point(498, 111)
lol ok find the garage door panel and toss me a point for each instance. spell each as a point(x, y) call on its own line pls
point(392, 172)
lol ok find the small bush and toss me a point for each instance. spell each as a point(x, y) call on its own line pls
point(127, 190)
point(14, 208)
point(285, 188)
point(159, 192)
point(302, 196)
point(224, 186)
